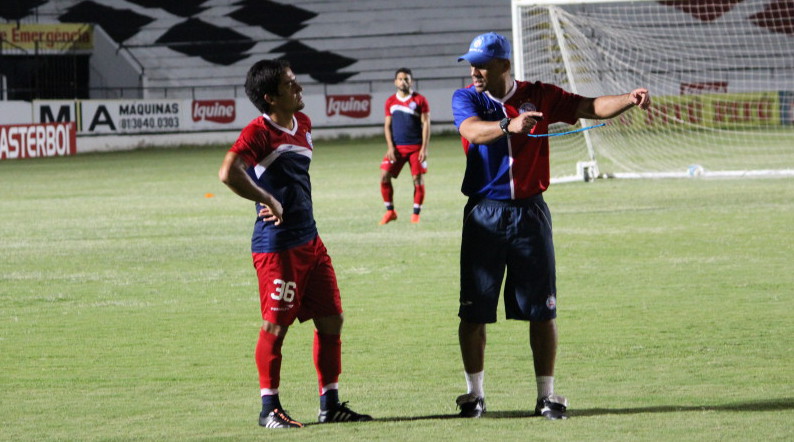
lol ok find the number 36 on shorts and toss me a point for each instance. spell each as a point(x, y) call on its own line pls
point(285, 290)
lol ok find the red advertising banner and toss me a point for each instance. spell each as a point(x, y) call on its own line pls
point(708, 87)
point(353, 106)
point(20, 141)
point(218, 111)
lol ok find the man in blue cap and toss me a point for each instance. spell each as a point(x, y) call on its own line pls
point(506, 223)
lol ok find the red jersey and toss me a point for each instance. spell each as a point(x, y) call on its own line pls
point(278, 160)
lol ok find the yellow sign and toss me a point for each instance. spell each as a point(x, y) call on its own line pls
point(724, 111)
point(48, 37)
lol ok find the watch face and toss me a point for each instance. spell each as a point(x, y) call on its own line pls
point(503, 124)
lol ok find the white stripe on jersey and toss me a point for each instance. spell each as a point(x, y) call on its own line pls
point(511, 158)
point(397, 108)
point(260, 168)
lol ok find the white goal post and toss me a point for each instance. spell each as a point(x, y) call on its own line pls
point(720, 72)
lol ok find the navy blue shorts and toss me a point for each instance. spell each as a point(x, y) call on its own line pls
point(513, 235)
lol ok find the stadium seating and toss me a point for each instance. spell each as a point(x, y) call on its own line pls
point(209, 44)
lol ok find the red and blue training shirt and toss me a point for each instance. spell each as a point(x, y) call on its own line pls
point(278, 160)
point(516, 166)
point(406, 118)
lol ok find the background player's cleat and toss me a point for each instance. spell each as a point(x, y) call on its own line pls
point(470, 405)
point(340, 413)
point(388, 217)
point(278, 418)
point(552, 407)
point(415, 218)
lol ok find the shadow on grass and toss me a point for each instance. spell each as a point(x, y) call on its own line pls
point(768, 405)
point(755, 406)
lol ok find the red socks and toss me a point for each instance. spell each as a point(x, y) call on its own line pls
point(387, 192)
point(327, 358)
point(268, 359)
point(419, 195)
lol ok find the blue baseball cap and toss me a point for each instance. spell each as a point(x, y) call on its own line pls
point(486, 47)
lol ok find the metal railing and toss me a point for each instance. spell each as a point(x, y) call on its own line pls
point(216, 91)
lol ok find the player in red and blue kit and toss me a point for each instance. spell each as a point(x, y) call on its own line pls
point(506, 223)
point(407, 131)
point(269, 164)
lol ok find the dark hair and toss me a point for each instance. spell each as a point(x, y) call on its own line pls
point(404, 71)
point(264, 78)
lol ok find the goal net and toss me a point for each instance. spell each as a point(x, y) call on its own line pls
point(720, 73)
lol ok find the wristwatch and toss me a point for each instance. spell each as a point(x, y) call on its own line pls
point(503, 125)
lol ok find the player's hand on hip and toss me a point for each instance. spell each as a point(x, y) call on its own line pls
point(272, 211)
point(640, 98)
point(524, 122)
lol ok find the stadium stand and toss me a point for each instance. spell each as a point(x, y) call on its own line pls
point(195, 47)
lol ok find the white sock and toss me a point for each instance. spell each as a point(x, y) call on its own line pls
point(334, 386)
point(474, 383)
point(545, 386)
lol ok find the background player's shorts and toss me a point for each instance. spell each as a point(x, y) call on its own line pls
point(297, 283)
point(512, 234)
point(405, 153)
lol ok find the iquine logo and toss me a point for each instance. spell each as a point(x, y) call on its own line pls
point(218, 111)
point(353, 106)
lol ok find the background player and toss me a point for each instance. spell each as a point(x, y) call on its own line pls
point(407, 131)
point(506, 223)
point(269, 164)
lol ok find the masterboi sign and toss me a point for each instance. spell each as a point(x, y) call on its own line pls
point(21, 141)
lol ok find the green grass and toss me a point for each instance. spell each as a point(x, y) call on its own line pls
point(128, 306)
point(675, 149)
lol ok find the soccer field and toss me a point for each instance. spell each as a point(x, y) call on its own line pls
point(129, 306)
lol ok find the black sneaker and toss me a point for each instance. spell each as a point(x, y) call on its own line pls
point(552, 407)
point(278, 418)
point(470, 405)
point(340, 413)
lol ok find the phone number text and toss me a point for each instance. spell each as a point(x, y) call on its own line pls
point(150, 123)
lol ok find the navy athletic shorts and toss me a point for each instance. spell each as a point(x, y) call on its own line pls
point(514, 235)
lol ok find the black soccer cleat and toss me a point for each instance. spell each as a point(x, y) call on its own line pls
point(340, 413)
point(470, 405)
point(552, 407)
point(278, 418)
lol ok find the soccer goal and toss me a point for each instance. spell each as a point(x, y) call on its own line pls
point(721, 75)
